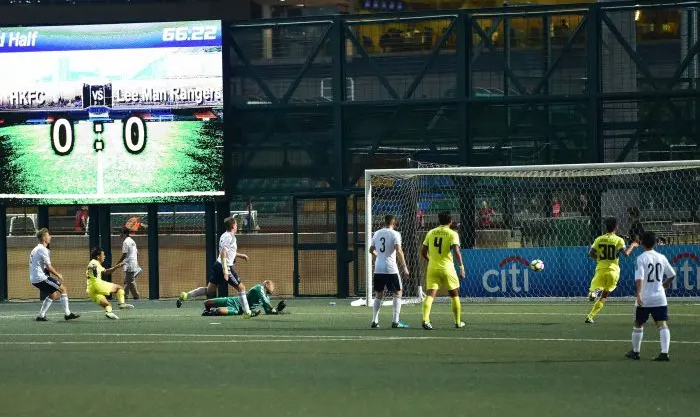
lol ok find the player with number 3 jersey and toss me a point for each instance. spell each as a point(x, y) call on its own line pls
point(605, 250)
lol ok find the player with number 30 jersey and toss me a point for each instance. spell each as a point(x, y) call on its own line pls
point(605, 250)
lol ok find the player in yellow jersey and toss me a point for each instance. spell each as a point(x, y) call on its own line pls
point(97, 289)
point(605, 250)
point(437, 249)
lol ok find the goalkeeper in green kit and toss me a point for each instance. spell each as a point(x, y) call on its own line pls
point(258, 298)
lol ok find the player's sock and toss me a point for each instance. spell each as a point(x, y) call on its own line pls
point(244, 301)
point(375, 309)
point(637, 336)
point(45, 306)
point(665, 338)
point(197, 292)
point(66, 306)
point(596, 308)
point(427, 305)
point(121, 296)
point(456, 309)
point(108, 309)
point(396, 309)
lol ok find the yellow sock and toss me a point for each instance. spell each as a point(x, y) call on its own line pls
point(427, 305)
point(120, 296)
point(596, 308)
point(456, 309)
point(108, 309)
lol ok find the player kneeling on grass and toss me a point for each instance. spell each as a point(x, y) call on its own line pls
point(258, 297)
point(653, 274)
point(97, 290)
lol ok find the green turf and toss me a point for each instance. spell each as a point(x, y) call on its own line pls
point(321, 360)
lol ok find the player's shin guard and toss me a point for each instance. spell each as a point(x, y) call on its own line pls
point(244, 301)
point(396, 310)
point(121, 296)
point(456, 309)
point(637, 336)
point(427, 306)
point(66, 305)
point(45, 306)
point(375, 309)
point(664, 338)
point(596, 308)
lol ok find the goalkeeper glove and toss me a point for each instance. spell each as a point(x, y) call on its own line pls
point(281, 306)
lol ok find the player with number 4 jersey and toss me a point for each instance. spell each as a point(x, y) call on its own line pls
point(438, 246)
point(605, 250)
point(652, 276)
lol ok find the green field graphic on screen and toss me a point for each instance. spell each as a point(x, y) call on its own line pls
point(111, 113)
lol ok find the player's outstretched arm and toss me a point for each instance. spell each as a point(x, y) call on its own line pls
point(242, 256)
point(53, 271)
point(628, 251)
point(109, 271)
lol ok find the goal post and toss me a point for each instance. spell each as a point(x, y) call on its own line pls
point(507, 216)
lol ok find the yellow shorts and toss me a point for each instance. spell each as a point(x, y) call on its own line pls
point(607, 280)
point(97, 288)
point(442, 279)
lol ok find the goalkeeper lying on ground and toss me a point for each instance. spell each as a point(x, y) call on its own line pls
point(258, 297)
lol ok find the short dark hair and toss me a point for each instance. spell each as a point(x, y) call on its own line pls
point(445, 218)
point(229, 222)
point(648, 240)
point(610, 224)
point(389, 218)
point(126, 231)
point(41, 233)
point(95, 252)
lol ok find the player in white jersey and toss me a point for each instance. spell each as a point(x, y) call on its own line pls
point(131, 264)
point(652, 276)
point(386, 247)
point(223, 270)
point(40, 270)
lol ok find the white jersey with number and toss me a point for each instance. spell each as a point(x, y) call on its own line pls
point(652, 269)
point(384, 242)
point(228, 242)
point(129, 249)
point(39, 259)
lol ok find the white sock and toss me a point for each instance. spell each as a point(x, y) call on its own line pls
point(64, 300)
point(45, 307)
point(197, 292)
point(375, 309)
point(637, 335)
point(396, 310)
point(665, 338)
point(244, 302)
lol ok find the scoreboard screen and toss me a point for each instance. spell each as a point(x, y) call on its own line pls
point(117, 113)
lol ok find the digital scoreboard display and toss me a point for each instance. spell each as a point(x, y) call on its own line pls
point(118, 113)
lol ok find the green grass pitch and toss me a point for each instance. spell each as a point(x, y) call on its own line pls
point(321, 360)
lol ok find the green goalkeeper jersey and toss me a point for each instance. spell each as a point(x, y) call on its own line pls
point(258, 298)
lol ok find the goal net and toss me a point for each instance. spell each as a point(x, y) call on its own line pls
point(508, 216)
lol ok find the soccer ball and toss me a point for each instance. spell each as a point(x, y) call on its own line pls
point(537, 265)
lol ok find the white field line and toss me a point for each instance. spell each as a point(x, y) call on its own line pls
point(315, 339)
point(185, 314)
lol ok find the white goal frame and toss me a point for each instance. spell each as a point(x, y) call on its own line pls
point(494, 171)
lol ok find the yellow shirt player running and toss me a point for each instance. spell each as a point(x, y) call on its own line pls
point(97, 289)
point(605, 250)
point(437, 249)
